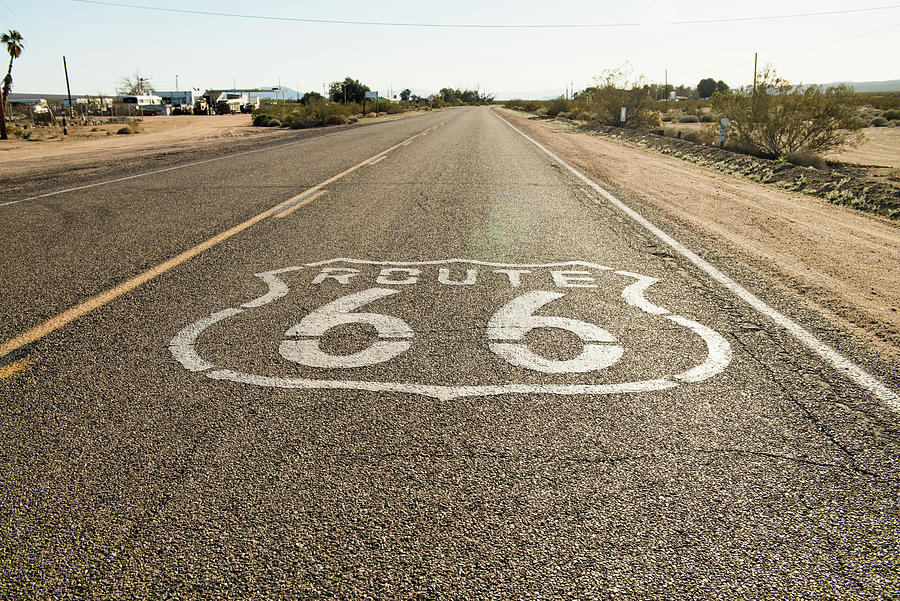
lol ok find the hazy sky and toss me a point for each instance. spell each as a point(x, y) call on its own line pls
point(104, 43)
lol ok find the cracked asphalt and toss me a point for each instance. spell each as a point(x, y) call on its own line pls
point(392, 419)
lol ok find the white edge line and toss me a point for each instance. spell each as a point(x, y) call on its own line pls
point(193, 164)
point(854, 372)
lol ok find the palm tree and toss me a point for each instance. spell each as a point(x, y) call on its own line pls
point(14, 45)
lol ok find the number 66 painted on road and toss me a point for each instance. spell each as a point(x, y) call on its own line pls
point(510, 323)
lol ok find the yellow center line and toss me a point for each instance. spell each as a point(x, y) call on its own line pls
point(13, 368)
point(305, 201)
point(99, 300)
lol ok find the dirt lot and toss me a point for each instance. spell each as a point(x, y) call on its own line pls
point(158, 134)
point(843, 263)
point(96, 143)
point(880, 148)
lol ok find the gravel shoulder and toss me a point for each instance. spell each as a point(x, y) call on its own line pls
point(841, 262)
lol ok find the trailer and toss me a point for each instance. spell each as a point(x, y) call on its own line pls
point(182, 102)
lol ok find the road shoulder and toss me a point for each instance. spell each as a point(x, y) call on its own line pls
point(840, 262)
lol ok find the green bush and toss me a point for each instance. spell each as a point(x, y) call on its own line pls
point(878, 122)
point(125, 130)
point(689, 119)
point(273, 123)
point(891, 114)
point(666, 118)
point(706, 119)
point(806, 159)
point(261, 120)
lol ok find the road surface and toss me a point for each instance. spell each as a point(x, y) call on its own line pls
point(422, 360)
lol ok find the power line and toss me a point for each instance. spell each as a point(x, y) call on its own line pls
point(485, 26)
point(833, 42)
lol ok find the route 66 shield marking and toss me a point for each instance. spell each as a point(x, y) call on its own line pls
point(397, 328)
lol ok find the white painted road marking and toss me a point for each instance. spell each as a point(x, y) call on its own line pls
point(861, 377)
point(167, 169)
point(511, 322)
point(516, 318)
point(338, 312)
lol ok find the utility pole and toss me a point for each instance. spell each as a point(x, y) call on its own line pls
point(666, 90)
point(68, 92)
point(754, 73)
point(176, 82)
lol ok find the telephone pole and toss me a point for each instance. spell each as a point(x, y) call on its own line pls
point(754, 73)
point(68, 90)
point(666, 90)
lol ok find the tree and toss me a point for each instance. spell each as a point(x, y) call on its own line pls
point(349, 90)
point(311, 96)
point(722, 87)
point(706, 88)
point(405, 94)
point(780, 118)
point(14, 45)
point(136, 85)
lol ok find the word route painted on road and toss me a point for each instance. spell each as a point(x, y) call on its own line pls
point(453, 328)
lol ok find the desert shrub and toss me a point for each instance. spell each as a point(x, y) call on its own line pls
point(689, 119)
point(273, 123)
point(658, 131)
point(666, 118)
point(878, 122)
point(371, 115)
point(806, 159)
point(692, 136)
point(125, 130)
point(261, 120)
point(614, 89)
point(556, 106)
point(779, 118)
point(894, 123)
point(337, 119)
point(891, 114)
point(706, 119)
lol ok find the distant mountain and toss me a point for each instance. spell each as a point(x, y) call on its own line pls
point(891, 85)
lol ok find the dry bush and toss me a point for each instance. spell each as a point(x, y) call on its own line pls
point(614, 89)
point(806, 159)
point(779, 118)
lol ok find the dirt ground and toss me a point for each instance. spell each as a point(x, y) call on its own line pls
point(843, 263)
point(880, 148)
point(158, 134)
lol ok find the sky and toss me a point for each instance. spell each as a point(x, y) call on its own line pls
point(103, 43)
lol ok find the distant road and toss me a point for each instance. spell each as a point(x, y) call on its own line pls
point(419, 359)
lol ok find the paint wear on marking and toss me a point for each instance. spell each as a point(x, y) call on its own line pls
point(505, 331)
point(11, 369)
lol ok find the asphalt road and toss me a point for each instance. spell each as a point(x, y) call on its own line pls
point(451, 370)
